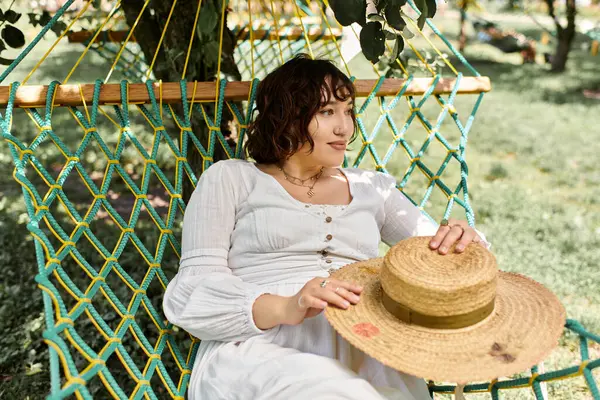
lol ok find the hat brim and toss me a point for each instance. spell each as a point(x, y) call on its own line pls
point(524, 327)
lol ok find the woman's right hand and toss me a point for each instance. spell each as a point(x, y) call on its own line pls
point(312, 299)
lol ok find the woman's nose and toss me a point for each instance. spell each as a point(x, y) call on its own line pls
point(343, 126)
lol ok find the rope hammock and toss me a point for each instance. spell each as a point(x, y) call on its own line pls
point(291, 41)
point(103, 166)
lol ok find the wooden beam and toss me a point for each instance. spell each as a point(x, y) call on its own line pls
point(285, 33)
point(69, 95)
point(104, 36)
point(288, 33)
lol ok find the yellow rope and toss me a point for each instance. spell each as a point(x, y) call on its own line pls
point(87, 48)
point(420, 56)
point(404, 71)
point(334, 39)
point(448, 63)
point(83, 10)
point(78, 347)
point(251, 40)
point(275, 19)
point(112, 23)
point(137, 20)
point(306, 38)
point(187, 57)
point(109, 118)
point(162, 36)
point(218, 77)
point(432, 45)
point(193, 98)
point(160, 99)
point(87, 113)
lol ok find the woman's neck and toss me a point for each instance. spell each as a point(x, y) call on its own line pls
point(300, 170)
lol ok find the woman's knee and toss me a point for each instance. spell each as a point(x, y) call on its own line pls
point(306, 376)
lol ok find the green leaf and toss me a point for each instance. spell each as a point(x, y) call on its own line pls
point(348, 12)
point(45, 18)
point(381, 5)
point(208, 19)
point(397, 3)
point(1, 15)
point(375, 18)
point(392, 15)
point(372, 41)
point(4, 61)
point(12, 16)
point(58, 27)
point(389, 35)
point(398, 47)
point(423, 8)
point(431, 8)
point(211, 53)
point(2, 45)
point(421, 21)
point(33, 21)
point(13, 36)
point(396, 64)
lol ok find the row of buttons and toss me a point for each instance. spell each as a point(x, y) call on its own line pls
point(325, 252)
point(328, 238)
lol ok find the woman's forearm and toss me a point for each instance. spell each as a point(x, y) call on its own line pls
point(268, 311)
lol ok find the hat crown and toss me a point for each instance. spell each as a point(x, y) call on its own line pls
point(436, 285)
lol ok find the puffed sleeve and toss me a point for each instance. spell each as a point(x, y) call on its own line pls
point(205, 298)
point(402, 218)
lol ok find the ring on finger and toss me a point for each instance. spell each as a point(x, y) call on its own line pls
point(324, 283)
point(300, 301)
point(457, 226)
point(337, 289)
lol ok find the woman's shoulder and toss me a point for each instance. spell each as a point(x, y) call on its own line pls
point(234, 168)
point(367, 177)
point(232, 176)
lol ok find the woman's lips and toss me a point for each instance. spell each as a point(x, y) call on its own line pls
point(338, 145)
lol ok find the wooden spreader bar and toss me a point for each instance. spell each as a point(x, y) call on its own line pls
point(294, 33)
point(28, 96)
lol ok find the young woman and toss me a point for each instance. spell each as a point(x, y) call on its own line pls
point(259, 240)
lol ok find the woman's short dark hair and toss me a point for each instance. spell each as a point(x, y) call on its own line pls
point(287, 99)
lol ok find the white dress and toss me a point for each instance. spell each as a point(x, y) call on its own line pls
point(244, 235)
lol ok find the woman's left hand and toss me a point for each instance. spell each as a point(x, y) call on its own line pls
point(453, 231)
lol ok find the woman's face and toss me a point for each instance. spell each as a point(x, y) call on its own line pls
point(331, 129)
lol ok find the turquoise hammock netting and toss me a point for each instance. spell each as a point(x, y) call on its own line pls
point(103, 169)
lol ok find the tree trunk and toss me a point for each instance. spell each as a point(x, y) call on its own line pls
point(565, 35)
point(559, 61)
point(170, 60)
point(511, 5)
point(462, 40)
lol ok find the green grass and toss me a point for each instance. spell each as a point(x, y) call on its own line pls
point(533, 179)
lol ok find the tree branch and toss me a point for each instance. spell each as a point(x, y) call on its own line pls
point(550, 4)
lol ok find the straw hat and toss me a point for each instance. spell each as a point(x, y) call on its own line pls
point(452, 318)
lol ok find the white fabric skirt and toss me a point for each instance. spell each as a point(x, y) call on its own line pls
point(308, 361)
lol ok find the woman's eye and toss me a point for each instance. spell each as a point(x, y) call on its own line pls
point(327, 112)
point(349, 112)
